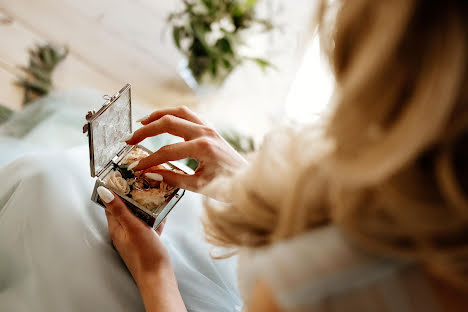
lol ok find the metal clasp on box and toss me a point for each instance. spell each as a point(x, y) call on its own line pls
point(89, 116)
point(109, 98)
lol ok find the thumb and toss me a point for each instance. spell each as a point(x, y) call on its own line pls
point(117, 207)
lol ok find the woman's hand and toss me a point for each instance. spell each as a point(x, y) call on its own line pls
point(144, 255)
point(203, 143)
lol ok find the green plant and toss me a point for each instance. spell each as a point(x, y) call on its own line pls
point(5, 113)
point(37, 78)
point(242, 143)
point(208, 33)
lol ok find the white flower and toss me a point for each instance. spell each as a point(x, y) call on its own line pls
point(134, 155)
point(226, 24)
point(217, 28)
point(115, 180)
point(214, 35)
point(186, 43)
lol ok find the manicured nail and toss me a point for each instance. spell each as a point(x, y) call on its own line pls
point(154, 176)
point(127, 138)
point(105, 194)
point(143, 118)
point(133, 165)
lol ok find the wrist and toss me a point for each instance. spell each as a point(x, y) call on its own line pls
point(162, 272)
point(159, 290)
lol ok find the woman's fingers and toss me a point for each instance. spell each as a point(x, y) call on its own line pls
point(167, 124)
point(117, 210)
point(181, 112)
point(180, 180)
point(166, 153)
point(113, 224)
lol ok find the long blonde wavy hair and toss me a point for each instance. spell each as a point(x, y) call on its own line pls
point(390, 165)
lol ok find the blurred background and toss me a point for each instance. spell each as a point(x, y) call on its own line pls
point(58, 57)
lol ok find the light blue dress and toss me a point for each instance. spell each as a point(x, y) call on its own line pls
point(55, 251)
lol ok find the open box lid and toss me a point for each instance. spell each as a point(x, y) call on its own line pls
point(106, 128)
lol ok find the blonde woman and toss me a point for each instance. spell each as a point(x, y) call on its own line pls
point(369, 213)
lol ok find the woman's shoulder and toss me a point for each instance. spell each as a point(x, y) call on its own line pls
point(323, 267)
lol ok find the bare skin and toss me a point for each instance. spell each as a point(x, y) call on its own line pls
point(201, 142)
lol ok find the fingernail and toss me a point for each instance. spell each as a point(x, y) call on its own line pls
point(143, 118)
point(105, 194)
point(154, 176)
point(127, 138)
point(133, 165)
